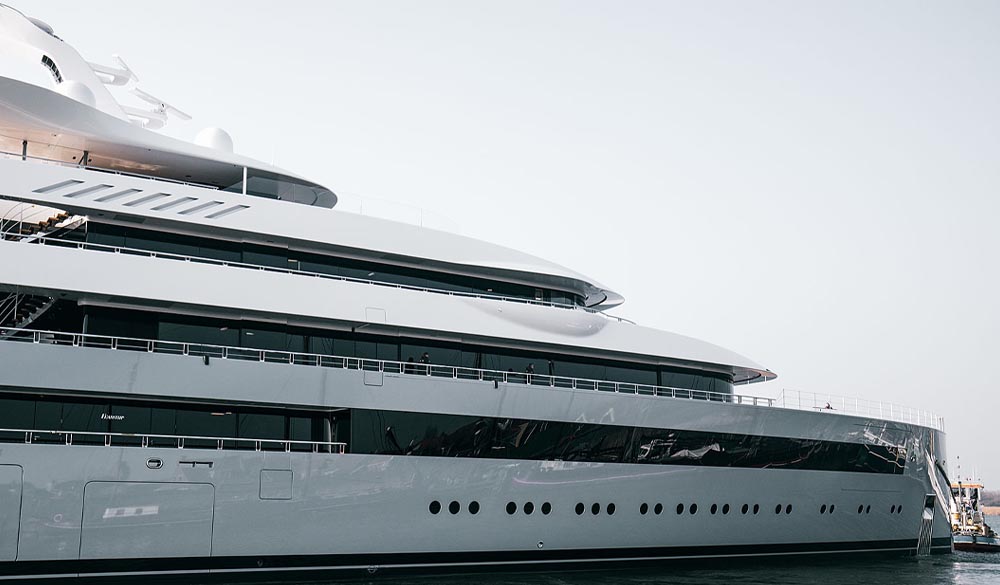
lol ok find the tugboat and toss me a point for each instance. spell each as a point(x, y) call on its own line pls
point(970, 532)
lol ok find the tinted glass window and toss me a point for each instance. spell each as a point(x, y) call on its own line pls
point(133, 419)
point(261, 426)
point(17, 414)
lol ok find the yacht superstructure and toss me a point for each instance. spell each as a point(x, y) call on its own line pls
point(206, 367)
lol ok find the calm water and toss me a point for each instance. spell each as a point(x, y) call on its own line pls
point(957, 569)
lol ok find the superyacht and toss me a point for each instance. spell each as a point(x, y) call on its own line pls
point(206, 367)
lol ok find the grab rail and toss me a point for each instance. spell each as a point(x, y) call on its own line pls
point(793, 400)
point(797, 400)
point(110, 439)
point(90, 167)
point(44, 240)
point(210, 351)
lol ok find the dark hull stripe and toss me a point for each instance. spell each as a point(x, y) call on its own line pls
point(443, 562)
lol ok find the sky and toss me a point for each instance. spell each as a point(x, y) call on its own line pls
point(813, 185)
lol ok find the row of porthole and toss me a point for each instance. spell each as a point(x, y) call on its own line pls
point(595, 509)
point(715, 509)
point(546, 508)
point(454, 507)
point(529, 508)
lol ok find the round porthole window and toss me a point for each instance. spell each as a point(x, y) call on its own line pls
point(579, 509)
point(745, 509)
point(511, 508)
point(595, 509)
point(546, 508)
point(473, 507)
point(611, 509)
point(529, 508)
point(454, 507)
point(643, 509)
point(435, 507)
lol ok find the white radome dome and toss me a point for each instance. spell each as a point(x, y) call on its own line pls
point(215, 138)
point(77, 91)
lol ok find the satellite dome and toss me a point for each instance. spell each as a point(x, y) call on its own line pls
point(215, 138)
point(77, 91)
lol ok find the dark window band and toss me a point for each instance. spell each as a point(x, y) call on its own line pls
point(418, 434)
point(439, 435)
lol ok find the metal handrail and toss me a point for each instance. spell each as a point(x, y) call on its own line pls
point(374, 365)
point(797, 400)
point(33, 435)
point(89, 167)
point(208, 351)
point(44, 240)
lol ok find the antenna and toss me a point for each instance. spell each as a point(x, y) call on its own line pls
point(122, 75)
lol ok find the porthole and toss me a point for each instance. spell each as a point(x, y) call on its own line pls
point(473, 507)
point(680, 509)
point(511, 508)
point(777, 509)
point(833, 507)
point(861, 508)
point(693, 508)
point(595, 509)
point(868, 509)
point(725, 509)
point(822, 509)
point(657, 509)
point(745, 509)
point(579, 509)
point(611, 509)
point(892, 510)
point(435, 507)
point(454, 507)
point(788, 509)
point(546, 508)
point(899, 509)
point(643, 509)
point(756, 508)
point(714, 508)
point(529, 508)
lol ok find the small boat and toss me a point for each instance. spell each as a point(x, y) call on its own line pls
point(970, 532)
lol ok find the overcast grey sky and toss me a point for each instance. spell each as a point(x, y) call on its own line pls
point(814, 185)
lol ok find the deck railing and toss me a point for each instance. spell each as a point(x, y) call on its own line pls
point(107, 439)
point(91, 167)
point(788, 399)
point(287, 270)
point(211, 351)
point(832, 403)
